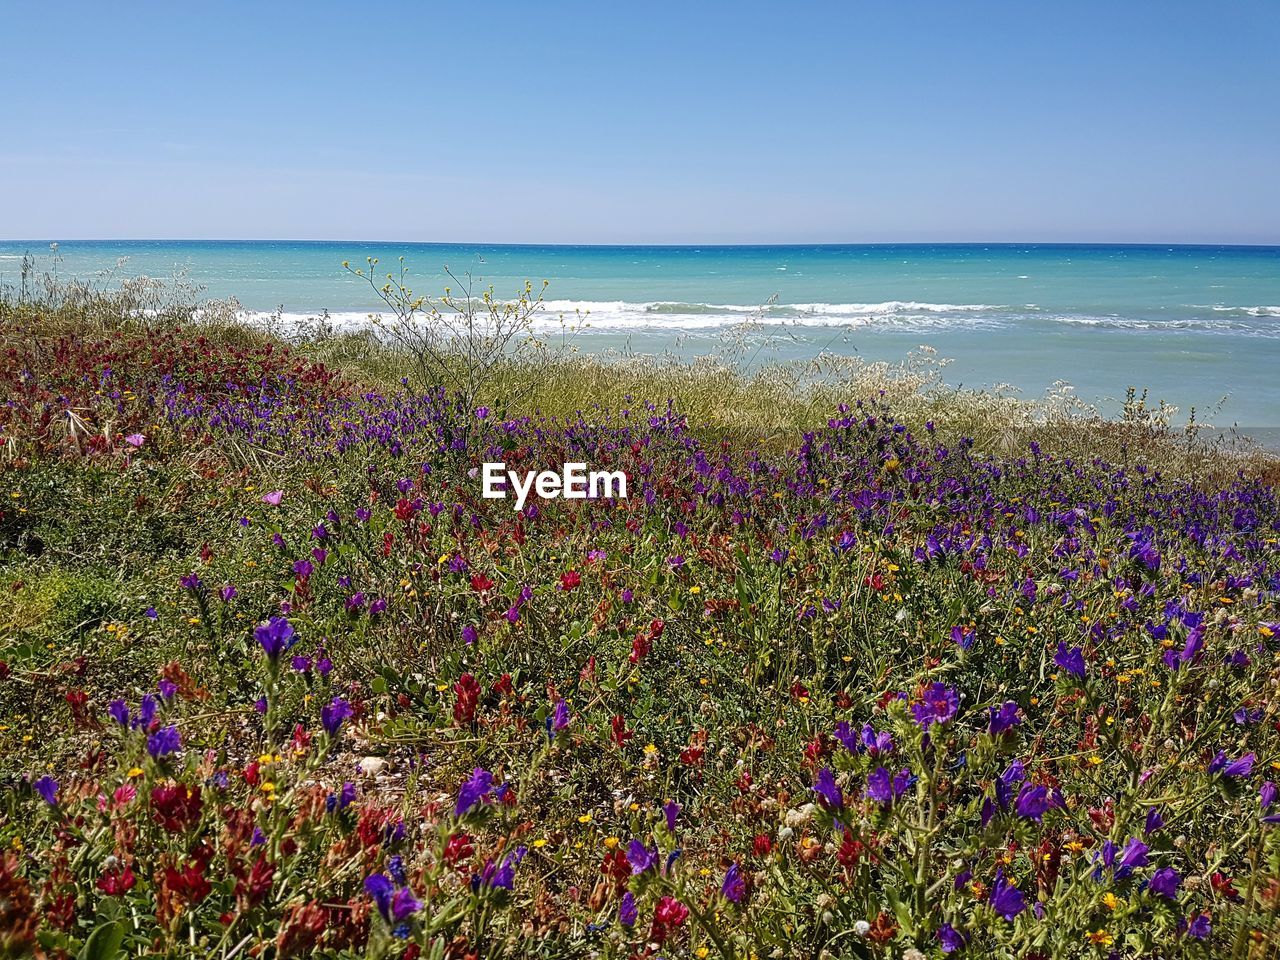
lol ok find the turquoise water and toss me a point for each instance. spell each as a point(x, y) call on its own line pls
point(1194, 324)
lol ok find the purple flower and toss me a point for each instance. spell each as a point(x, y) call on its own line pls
point(1153, 822)
point(273, 498)
point(345, 797)
point(1133, 856)
point(1005, 898)
point(938, 705)
point(828, 790)
point(167, 689)
point(876, 743)
point(884, 788)
point(560, 718)
point(135, 440)
point(333, 713)
point(1267, 795)
point(1195, 642)
point(470, 635)
point(734, 886)
point(164, 742)
point(627, 910)
point(380, 887)
point(47, 787)
point(503, 877)
point(1165, 882)
point(190, 582)
point(473, 791)
point(963, 637)
point(1200, 927)
point(1070, 659)
point(1034, 801)
point(950, 938)
point(119, 712)
point(671, 810)
point(404, 904)
point(640, 857)
point(1002, 718)
point(275, 636)
point(1233, 768)
point(146, 713)
point(228, 593)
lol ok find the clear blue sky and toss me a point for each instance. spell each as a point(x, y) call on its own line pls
point(1125, 120)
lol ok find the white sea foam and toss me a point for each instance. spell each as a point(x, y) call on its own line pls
point(621, 315)
point(1251, 311)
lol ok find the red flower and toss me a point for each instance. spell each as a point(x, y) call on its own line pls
point(570, 580)
point(640, 648)
point(189, 883)
point(616, 867)
point(116, 881)
point(503, 687)
point(480, 583)
point(258, 883)
point(620, 732)
point(668, 914)
point(762, 845)
point(468, 693)
point(692, 756)
point(457, 849)
point(302, 927)
point(176, 806)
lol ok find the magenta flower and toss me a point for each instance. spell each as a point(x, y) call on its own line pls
point(135, 440)
point(273, 498)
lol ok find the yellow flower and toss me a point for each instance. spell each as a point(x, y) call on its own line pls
point(695, 590)
point(540, 842)
point(1100, 938)
point(585, 818)
point(1110, 900)
point(134, 773)
point(611, 842)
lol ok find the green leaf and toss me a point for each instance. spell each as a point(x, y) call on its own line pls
point(103, 943)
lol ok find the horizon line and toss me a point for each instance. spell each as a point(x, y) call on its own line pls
point(678, 245)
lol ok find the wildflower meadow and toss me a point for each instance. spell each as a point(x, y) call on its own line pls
point(276, 680)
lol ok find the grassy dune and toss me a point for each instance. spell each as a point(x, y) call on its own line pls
point(863, 666)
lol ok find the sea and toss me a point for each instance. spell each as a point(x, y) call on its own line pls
point(1195, 326)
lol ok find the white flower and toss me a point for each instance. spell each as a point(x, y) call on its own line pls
point(862, 928)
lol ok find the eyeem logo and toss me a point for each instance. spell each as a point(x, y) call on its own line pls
point(573, 482)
